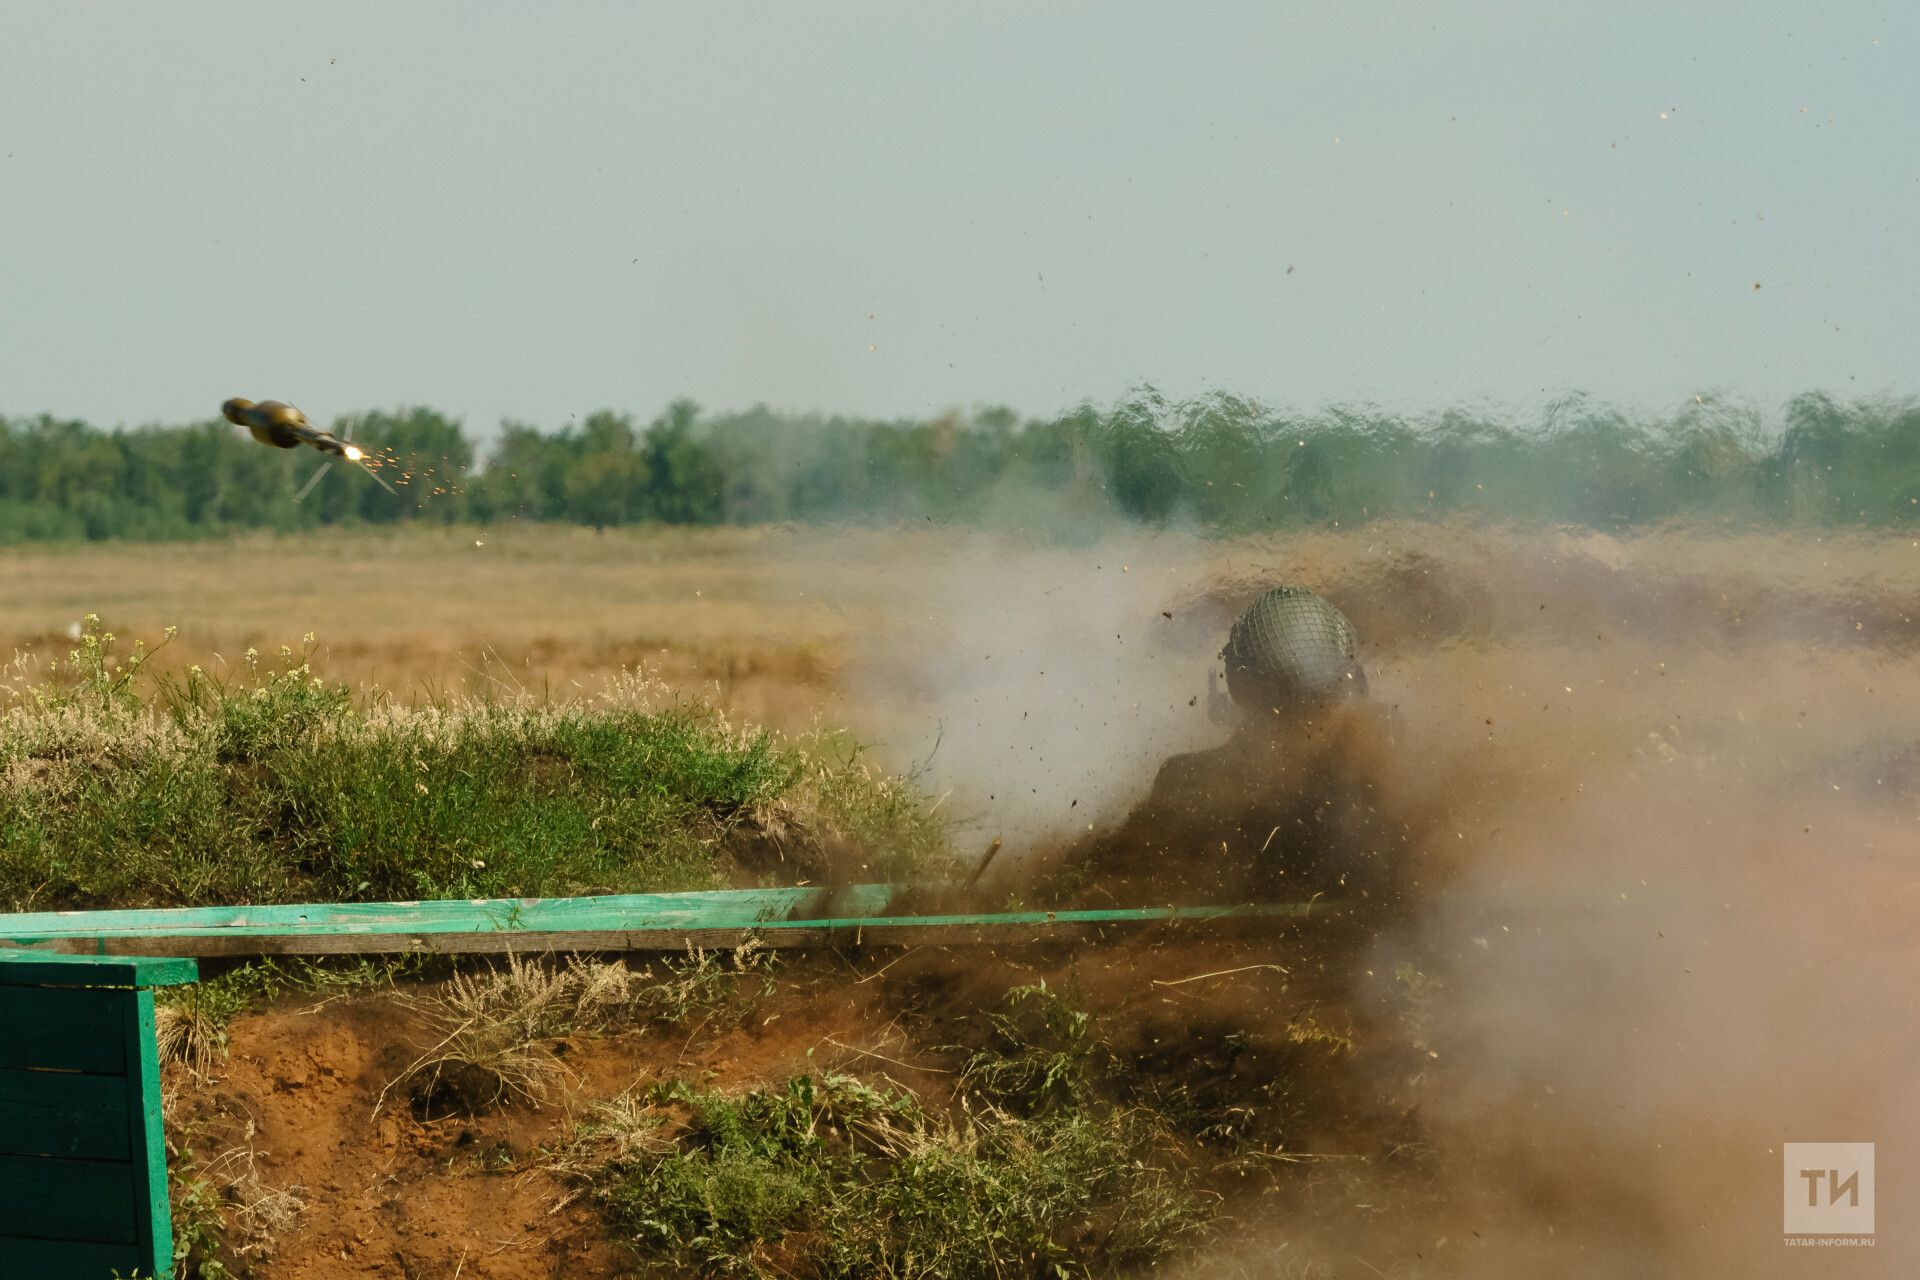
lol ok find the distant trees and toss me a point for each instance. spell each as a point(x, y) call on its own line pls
point(1219, 462)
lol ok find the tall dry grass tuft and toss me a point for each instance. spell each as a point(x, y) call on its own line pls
point(493, 1026)
point(186, 1031)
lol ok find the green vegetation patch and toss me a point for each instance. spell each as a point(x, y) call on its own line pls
point(1026, 1172)
point(832, 1176)
point(279, 786)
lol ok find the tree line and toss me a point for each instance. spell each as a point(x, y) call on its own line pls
point(1216, 462)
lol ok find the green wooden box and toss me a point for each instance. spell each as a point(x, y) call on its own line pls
point(83, 1165)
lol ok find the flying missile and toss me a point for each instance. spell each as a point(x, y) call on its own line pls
point(281, 425)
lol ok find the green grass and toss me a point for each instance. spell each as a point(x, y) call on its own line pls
point(832, 1176)
point(279, 786)
point(1027, 1171)
point(838, 1177)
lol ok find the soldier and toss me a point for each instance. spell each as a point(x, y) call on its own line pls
point(1285, 807)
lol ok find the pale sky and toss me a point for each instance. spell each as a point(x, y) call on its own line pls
point(533, 211)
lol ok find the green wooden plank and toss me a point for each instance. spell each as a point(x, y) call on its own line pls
point(153, 1224)
point(59, 1113)
point(60, 1029)
point(725, 908)
point(18, 969)
point(1003, 928)
point(860, 906)
point(89, 1200)
point(596, 924)
point(32, 1259)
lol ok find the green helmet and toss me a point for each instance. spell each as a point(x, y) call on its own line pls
point(1291, 648)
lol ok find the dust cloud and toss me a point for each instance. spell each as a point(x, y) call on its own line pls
point(1665, 916)
point(1038, 687)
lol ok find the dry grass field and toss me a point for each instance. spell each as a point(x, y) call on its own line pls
point(424, 612)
